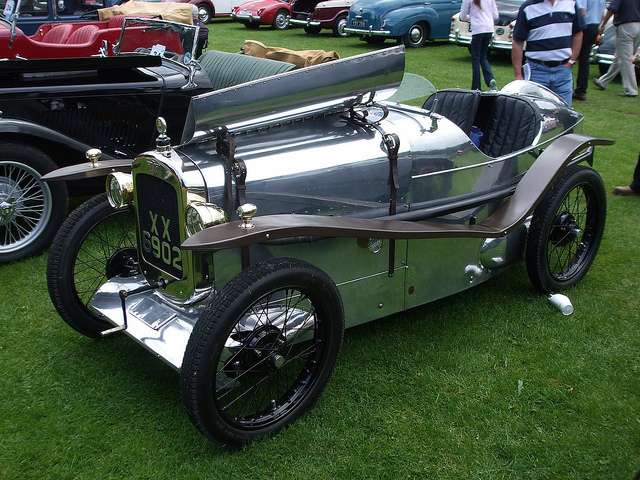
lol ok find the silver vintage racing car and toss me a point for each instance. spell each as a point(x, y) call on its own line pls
point(312, 201)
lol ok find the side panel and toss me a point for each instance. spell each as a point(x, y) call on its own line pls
point(362, 276)
point(438, 268)
point(437, 14)
point(223, 7)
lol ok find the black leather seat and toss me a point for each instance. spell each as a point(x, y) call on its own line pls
point(512, 125)
point(457, 105)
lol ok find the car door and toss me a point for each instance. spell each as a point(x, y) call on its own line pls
point(445, 9)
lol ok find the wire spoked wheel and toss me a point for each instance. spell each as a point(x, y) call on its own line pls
point(566, 230)
point(262, 352)
point(30, 209)
point(94, 244)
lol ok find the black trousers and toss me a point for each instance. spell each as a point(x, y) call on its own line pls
point(636, 177)
point(589, 36)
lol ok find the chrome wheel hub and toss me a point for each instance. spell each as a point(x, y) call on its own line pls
point(415, 34)
point(10, 203)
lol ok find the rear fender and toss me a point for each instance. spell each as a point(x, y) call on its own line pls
point(399, 21)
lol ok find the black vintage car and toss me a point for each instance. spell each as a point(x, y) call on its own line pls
point(52, 111)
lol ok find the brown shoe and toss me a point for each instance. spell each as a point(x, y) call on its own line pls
point(624, 191)
point(579, 96)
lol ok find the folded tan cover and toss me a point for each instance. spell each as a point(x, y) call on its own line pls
point(171, 11)
point(301, 58)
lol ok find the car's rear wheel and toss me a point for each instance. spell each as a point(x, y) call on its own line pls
point(280, 21)
point(312, 29)
point(566, 230)
point(95, 243)
point(262, 351)
point(416, 36)
point(339, 25)
point(31, 210)
point(205, 13)
point(251, 25)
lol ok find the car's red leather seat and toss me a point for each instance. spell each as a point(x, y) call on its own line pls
point(83, 34)
point(58, 34)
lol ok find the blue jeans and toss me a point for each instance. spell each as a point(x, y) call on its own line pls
point(557, 79)
point(479, 48)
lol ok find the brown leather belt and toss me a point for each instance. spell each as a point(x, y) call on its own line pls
point(548, 64)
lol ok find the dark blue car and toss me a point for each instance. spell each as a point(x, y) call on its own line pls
point(411, 22)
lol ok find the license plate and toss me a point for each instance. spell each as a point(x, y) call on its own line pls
point(358, 23)
point(159, 224)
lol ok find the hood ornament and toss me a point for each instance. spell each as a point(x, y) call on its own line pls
point(163, 142)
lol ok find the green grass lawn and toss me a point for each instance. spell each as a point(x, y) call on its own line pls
point(491, 383)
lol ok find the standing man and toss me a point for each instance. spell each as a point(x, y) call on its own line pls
point(553, 32)
point(591, 11)
point(626, 20)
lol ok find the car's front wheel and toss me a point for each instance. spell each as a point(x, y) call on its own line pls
point(95, 243)
point(31, 210)
point(262, 351)
point(280, 21)
point(566, 230)
point(416, 36)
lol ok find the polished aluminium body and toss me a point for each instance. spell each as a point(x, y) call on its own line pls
point(308, 160)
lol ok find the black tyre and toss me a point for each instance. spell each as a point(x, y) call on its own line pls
point(602, 68)
point(416, 36)
point(94, 244)
point(262, 351)
point(338, 26)
point(251, 25)
point(280, 21)
point(373, 40)
point(30, 210)
point(566, 230)
point(205, 13)
point(312, 30)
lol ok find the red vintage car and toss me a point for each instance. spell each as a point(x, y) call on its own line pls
point(263, 12)
point(315, 16)
point(81, 39)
